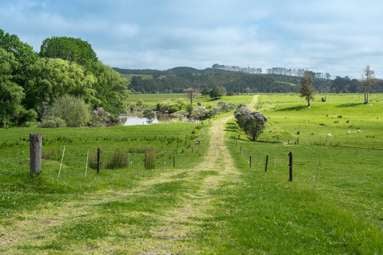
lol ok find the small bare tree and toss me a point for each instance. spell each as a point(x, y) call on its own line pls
point(368, 79)
point(307, 88)
point(191, 93)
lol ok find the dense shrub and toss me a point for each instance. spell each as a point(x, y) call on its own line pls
point(180, 115)
point(100, 117)
point(217, 92)
point(149, 114)
point(252, 123)
point(71, 109)
point(201, 113)
point(52, 122)
point(225, 107)
point(170, 107)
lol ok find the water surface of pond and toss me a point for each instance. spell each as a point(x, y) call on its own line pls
point(134, 121)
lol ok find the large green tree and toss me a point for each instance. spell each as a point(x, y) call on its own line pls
point(111, 87)
point(53, 78)
point(24, 56)
point(31, 83)
point(23, 52)
point(68, 48)
point(11, 94)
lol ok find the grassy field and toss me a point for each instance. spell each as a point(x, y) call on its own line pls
point(153, 99)
point(335, 203)
point(212, 202)
point(19, 192)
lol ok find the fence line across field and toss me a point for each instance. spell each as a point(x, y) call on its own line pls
point(139, 157)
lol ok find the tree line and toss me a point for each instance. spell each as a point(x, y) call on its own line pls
point(366, 85)
point(31, 82)
point(176, 80)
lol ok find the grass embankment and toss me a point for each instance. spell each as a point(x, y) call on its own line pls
point(335, 203)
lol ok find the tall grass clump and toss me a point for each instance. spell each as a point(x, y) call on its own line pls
point(150, 157)
point(119, 159)
point(92, 160)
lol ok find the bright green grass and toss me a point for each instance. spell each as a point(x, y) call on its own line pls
point(153, 99)
point(335, 203)
point(19, 192)
point(342, 121)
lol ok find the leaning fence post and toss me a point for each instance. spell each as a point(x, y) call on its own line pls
point(290, 166)
point(86, 163)
point(98, 160)
point(61, 162)
point(266, 163)
point(35, 153)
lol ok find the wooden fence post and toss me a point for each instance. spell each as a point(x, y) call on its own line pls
point(290, 166)
point(266, 163)
point(250, 162)
point(35, 153)
point(98, 160)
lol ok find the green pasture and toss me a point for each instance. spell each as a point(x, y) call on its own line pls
point(173, 143)
point(334, 204)
point(153, 99)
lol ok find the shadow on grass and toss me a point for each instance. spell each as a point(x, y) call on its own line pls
point(349, 105)
point(231, 127)
point(269, 142)
point(293, 108)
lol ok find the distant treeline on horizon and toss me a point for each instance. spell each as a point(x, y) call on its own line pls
point(177, 79)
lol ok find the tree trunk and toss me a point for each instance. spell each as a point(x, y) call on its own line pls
point(5, 122)
point(365, 95)
point(308, 102)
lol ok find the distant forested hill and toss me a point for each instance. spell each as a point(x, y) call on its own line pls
point(177, 79)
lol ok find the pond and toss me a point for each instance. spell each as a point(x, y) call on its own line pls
point(134, 121)
point(138, 119)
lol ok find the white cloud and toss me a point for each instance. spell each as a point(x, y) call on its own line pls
point(337, 36)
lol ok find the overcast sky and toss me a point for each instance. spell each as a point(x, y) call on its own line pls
point(336, 36)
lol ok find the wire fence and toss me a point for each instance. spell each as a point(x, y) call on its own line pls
point(79, 160)
point(283, 159)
